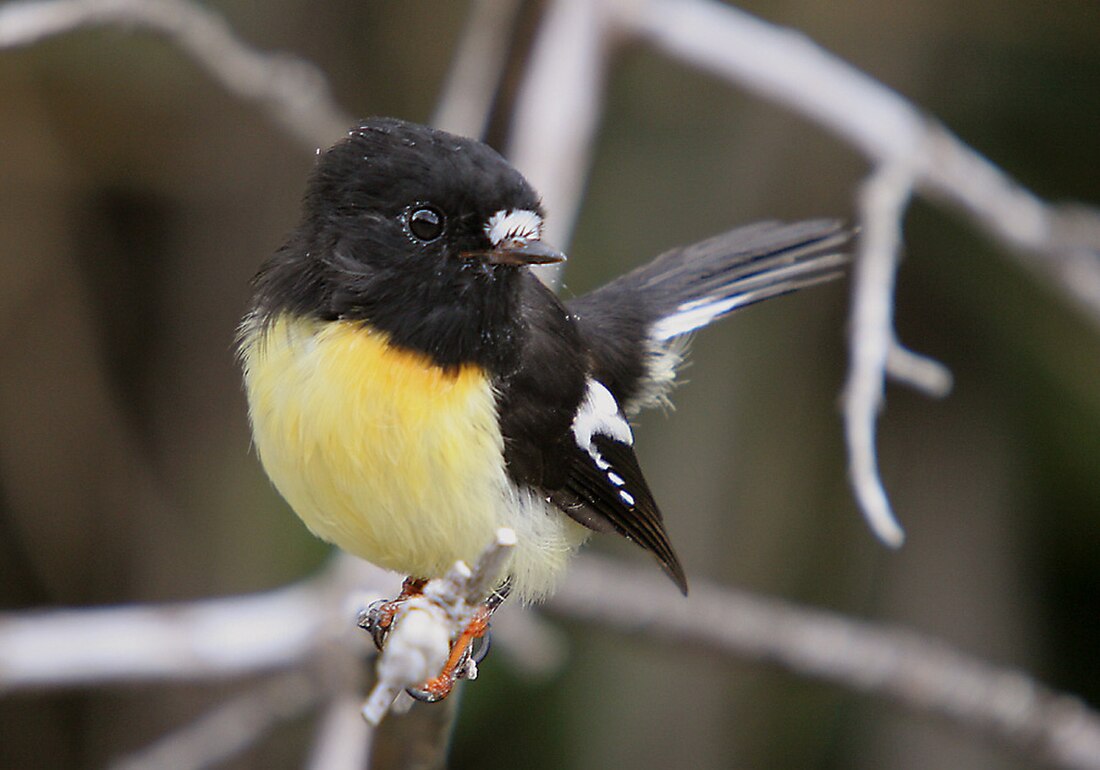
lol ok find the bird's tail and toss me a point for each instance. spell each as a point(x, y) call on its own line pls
point(690, 287)
point(632, 324)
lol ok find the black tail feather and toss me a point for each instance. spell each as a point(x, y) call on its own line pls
point(747, 260)
point(630, 323)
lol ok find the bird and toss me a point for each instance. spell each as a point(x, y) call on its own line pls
point(413, 385)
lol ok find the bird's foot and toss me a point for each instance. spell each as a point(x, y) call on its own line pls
point(463, 660)
point(412, 631)
point(465, 653)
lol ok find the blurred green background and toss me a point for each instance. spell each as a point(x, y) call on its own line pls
point(137, 198)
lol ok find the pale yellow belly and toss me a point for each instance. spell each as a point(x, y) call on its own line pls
point(390, 458)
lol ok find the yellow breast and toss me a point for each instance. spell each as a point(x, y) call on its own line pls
point(377, 450)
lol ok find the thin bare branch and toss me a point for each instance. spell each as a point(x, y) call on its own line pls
point(558, 109)
point(423, 628)
point(1059, 242)
point(556, 120)
point(417, 739)
point(883, 199)
point(210, 638)
point(918, 372)
point(920, 673)
point(917, 672)
point(292, 91)
point(476, 69)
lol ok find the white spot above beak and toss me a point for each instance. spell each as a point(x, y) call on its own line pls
point(511, 224)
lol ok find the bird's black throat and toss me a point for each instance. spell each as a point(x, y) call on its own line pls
point(468, 315)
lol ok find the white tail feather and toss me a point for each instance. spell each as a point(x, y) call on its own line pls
point(697, 313)
point(693, 315)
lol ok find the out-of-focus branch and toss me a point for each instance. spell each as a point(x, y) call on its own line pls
point(344, 738)
point(416, 739)
point(918, 372)
point(555, 122)
point(785, 66)
point(210, 638)
point(292, 91)
point(882, 205)
point(476, 69)
point(558, 109)
point(917, 672)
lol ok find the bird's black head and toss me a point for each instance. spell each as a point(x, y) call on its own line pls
point(417, 232)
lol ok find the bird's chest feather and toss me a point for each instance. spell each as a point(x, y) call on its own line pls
point(377, 451)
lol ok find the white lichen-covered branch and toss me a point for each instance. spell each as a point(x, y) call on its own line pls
point(426, 625)
point(206, 639)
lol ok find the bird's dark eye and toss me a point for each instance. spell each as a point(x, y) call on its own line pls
point(425, 223)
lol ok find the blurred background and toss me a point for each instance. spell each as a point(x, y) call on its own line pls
point(137, 198)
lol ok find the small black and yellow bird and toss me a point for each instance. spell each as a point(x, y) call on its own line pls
point(413, 386)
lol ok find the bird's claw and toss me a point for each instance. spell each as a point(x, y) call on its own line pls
point(377, 619)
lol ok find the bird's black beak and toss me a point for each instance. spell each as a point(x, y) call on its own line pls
point(520, 251)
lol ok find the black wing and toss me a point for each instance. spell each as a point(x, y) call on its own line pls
point(616, 498)
point(588, 470)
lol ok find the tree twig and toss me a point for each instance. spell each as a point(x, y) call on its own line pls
point(420, 633)
point(920, 673)
point(344, 739)
point(918, 372)
point(882, 205)
point(476, 69)
point(209, 638)
point(558, 109)
point(202, 639)
point(1060, 243)
point(416, 739)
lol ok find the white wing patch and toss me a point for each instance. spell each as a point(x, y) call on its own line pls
point(599, 414)
point(513, 223)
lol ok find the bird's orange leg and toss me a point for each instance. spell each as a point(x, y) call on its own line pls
point(460, 660)
point(439, 687)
